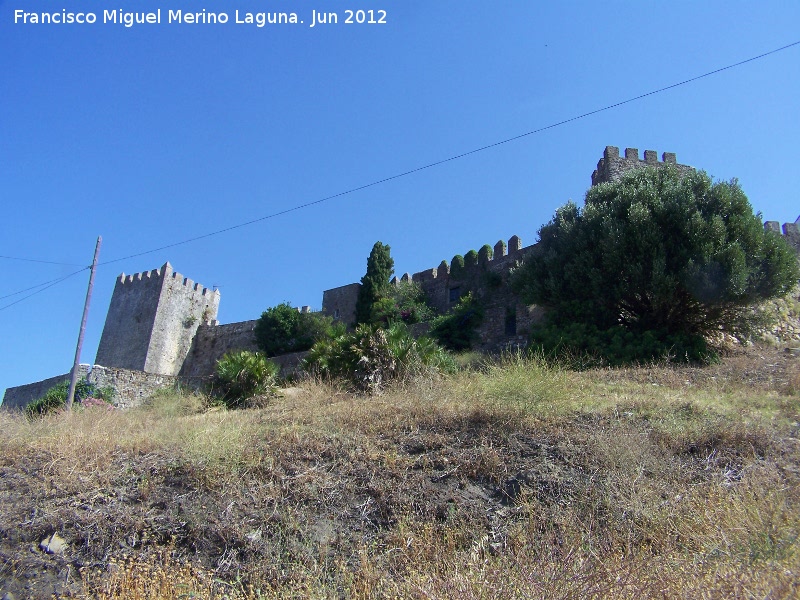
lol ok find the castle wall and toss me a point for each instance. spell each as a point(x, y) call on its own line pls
point(131, 388)
point(485, 275)
point(340, 302)
point(612, 165)
point(17, 398)
point(211, 342)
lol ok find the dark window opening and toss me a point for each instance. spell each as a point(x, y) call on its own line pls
point(455, 294)
point(511, 321)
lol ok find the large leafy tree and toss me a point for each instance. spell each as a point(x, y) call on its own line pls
point(282, 329)
point(375, 283)
point(657, 252)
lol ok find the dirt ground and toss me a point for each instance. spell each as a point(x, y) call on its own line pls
point(304, 505)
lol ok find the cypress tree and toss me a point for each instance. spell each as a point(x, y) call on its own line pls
point(375, 283)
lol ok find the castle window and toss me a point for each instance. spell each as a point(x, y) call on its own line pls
point(455, 294)
point(511, 321)
point(336, 314)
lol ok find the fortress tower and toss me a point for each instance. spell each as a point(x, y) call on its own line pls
point(152, 320)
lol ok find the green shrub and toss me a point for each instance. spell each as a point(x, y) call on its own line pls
point(384, 312)
point(411, 303)
point(458, 330)
point(283, 329)
point(668, 257)
point(56, 397)
point(241, 375)
point(585, 345)
point(370, 357)
point(406, 302)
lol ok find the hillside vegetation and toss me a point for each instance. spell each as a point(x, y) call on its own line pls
point(511, 480)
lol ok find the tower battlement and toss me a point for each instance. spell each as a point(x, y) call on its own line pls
point(789, 231)
point(612, 165)
point(161, 274)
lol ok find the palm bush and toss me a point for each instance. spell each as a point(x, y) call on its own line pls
point(242, 375)
point(370, 357)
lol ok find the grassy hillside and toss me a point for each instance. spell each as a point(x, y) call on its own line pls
point(515, 480)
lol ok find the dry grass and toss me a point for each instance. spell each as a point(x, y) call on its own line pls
point(512, 480)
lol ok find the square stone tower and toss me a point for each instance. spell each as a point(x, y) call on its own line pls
point(152, 320)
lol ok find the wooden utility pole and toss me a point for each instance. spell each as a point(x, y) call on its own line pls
point(74, 379)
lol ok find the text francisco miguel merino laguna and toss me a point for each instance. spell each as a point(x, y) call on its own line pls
point(259, 19)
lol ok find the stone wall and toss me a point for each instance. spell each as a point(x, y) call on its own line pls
point(152, 320)
point(485, 275)
point(211, 342)
point(289, 363)
point(17, 398)
point(612, 165)
point(131, 387)
point(340, 302)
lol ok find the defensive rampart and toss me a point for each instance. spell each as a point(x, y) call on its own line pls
point(19, 397)
point(485, 275)
point(211, 342)
point(131, 387)
point(612, 165)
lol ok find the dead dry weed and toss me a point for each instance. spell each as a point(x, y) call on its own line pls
point(512, 480)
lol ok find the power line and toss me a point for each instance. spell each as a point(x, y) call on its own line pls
point(455, 157)
point(47, 284)
point(33, 287)
point(46, 262)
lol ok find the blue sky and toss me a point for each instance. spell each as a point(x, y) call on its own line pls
point(157, 133)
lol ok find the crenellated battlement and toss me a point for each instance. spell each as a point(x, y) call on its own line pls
point(612, 165)
point(155, 274)
point(162, 273)
point(789, 231)
point(486, 257)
